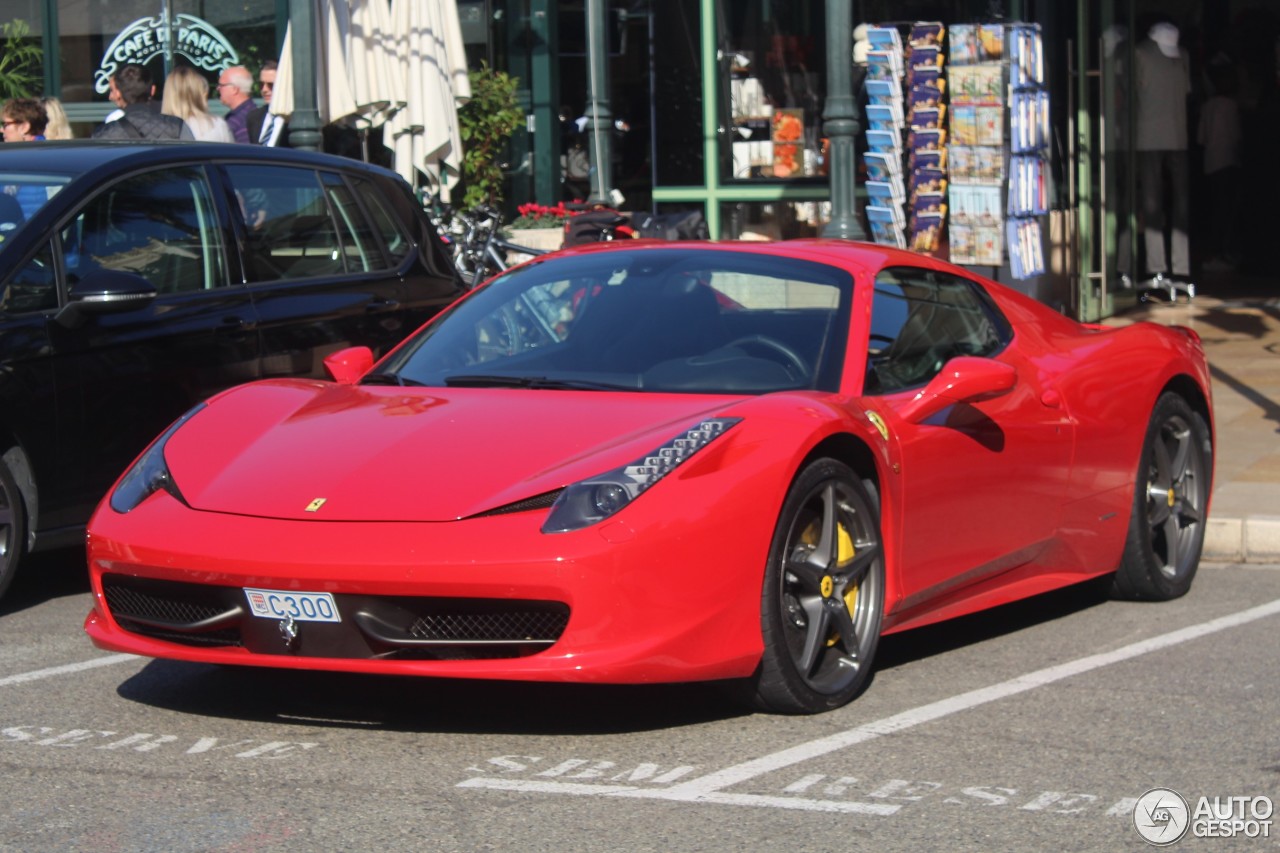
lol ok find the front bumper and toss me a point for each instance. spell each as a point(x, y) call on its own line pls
point(646, 597)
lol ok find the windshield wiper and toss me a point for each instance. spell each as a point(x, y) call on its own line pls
point(484, 380)
point(388, 379)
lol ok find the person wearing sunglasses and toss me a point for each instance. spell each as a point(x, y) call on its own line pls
point(264, 127)
point(24, 120)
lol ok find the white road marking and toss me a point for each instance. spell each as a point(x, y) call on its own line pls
point(708, 788)
point(68, 669)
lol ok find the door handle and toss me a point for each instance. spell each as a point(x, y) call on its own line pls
point(235, 323)
point(381, 306)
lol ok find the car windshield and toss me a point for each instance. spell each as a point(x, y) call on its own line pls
point(665, 320)
point(22, 194)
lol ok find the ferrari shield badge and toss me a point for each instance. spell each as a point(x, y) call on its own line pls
point(315, 505)
point(878, 423)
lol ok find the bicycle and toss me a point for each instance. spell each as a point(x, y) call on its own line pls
point(474, 238)
point(482, 251)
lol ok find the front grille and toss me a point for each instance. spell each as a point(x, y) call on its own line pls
point(501, 626)
point(157, 606)
point(410, 628)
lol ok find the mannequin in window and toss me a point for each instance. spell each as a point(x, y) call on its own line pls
point(1161, 86)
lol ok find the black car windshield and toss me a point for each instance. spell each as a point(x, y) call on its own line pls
point(657, 319)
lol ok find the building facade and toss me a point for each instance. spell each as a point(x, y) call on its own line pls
point(682, 124)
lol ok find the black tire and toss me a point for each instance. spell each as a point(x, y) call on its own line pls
point(13, 526)
point(823, 599)
point(1171, 495)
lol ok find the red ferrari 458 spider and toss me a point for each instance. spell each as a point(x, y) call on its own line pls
point(650, 462)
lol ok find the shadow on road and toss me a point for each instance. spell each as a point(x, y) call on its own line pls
point(898, 649)
point(45, 576)
point(345, 700)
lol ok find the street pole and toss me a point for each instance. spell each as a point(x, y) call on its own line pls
point(841, 124)
point(599, 118)
point(304, 123)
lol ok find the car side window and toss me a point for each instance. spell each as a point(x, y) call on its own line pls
point(359, 245)
point(920, 320)
point(31, 287)
point(160, 225)
point(398, 243)
point(290, 232)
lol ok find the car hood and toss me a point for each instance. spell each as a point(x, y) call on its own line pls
point(275, 449)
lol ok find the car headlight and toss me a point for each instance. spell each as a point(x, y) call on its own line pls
point(149, 473)
point(590, 501)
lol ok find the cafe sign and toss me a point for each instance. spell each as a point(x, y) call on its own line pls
point(184, 35)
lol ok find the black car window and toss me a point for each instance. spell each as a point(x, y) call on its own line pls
point(32, 287)
point(289, 230)
point(920, 320)
point(359, 244)
point(160, 225)
point(393, 234)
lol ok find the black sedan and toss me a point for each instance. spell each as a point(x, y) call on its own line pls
point(138, 279)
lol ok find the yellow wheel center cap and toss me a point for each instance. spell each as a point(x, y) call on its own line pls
point(1172, 498)
point(828, 586)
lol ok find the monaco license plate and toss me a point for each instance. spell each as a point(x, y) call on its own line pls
point(300, 606)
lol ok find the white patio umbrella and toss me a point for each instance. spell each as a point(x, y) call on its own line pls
point(378, 87)
point(356, 74)
point(424, 135)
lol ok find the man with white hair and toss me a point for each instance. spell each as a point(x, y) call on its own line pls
point(234, 87)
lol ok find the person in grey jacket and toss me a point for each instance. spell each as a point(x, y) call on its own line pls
point(142, 118)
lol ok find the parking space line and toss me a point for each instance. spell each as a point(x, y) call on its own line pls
point(703, 786)
point(68, 669)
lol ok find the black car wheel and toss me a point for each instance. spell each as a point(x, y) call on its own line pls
point(1166, 530)
point(823, 598)
point(13, 518)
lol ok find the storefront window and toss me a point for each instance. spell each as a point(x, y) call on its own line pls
point(677, 94)
point(95, 38)
point(775, 220)
point(775, 60)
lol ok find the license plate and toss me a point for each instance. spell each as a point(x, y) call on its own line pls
point(300, 606)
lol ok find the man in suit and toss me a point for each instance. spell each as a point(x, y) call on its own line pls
point(265, 128)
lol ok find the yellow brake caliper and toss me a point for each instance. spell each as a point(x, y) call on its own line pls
point(845, 552)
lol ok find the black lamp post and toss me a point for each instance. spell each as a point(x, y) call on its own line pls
point(304, 123)
point(841, 124)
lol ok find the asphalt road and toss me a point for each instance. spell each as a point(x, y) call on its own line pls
point(1033, 727)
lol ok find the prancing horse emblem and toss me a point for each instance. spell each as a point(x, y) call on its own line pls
point(315, 504)
point(288, 629)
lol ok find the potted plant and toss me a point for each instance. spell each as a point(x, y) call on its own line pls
point(486, 123)
point(539, 226)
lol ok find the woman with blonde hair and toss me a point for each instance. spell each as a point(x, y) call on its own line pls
point(58, 127)
point(186, 95)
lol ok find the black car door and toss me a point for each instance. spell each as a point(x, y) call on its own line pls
point(320, 279)
point(124, 376)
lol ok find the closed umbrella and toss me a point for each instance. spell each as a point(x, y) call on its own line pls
point(424, 134)
point(372, 62)
point(355, 67)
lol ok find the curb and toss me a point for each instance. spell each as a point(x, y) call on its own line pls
point(1255, 539)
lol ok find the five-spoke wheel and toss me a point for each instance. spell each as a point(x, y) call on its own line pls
point(823, 598)
point(1166, 532)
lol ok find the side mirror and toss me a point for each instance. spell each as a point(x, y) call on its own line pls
point(105, 292)
point(964, 379)
point(346, 366)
